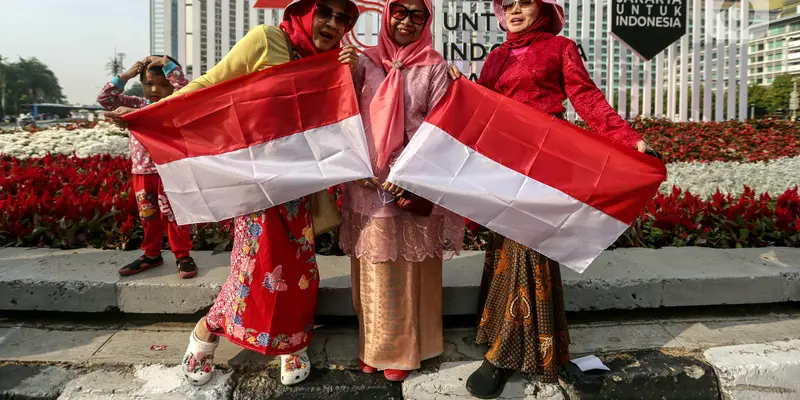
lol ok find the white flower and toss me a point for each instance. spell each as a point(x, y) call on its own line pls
point(703, 179)
point(102, 139)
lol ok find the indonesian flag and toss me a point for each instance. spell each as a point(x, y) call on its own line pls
point(543, 182)
point(271, 3)
point(257, 141)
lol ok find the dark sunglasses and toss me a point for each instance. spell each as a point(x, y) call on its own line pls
point(326, 13)
point(523, 5)
point(400, 13)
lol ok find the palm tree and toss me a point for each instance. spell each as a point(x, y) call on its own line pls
point(2, 87)
point(114, 65)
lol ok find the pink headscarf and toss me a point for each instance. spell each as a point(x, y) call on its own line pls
point(387, 110)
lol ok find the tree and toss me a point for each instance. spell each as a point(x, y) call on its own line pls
point(135, 90)
point(2, 87)
point(114, 66)
point(779, 92)
point(28, 81)
point(757, 96)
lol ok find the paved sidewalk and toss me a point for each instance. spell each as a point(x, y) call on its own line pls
point(670, 359)
point(86, 280)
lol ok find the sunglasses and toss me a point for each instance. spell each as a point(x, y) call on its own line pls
point(523, 5)
point(400, 13)
point(326, 13)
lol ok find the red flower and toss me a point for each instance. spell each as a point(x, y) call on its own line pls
point(126, 227)
point(472, 226)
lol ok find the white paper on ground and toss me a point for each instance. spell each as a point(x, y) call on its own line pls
point(589, 363)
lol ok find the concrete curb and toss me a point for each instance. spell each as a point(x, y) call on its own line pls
point(33, 381)
point(650, 374)
point(644, 374)
point(758, 371)
point(701, 360)
point(86, 280)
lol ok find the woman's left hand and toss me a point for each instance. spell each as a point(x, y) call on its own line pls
point(397, 191)
point(643, 147)
point(454, 72)
point(349, 56)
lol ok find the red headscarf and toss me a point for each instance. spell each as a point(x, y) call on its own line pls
point(550, 20)
point(298, 22)
point(387, 110)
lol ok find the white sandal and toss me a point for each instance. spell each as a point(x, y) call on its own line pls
point(295, 367)
point(198, 362)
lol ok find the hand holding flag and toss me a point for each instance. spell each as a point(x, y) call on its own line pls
point(541, 181)
point(257, 141)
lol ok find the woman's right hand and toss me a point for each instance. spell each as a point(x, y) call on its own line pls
point(369, 183)
point(454, 72)
point(116, 116)
point(349, 56)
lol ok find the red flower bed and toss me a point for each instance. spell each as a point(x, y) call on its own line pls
point(755, 140)
point(70, 202)
point(725, 221)
point(683, 219)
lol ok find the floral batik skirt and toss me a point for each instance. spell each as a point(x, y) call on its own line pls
point(522, 310)
point(268, 302)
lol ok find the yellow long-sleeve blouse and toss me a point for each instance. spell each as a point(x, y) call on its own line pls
point(264, 46)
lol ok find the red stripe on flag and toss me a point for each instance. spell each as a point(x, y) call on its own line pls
point(253, 109)
point(612, 178)
point(271, 3)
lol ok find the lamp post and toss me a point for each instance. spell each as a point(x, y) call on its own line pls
point(793, 100)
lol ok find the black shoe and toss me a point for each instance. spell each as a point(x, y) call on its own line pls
point(186, 268)
point(487, 382)
point(141, 264)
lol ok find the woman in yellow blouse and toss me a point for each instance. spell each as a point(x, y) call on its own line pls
point(268, 302)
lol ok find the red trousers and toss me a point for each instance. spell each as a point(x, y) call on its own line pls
point(156, 216)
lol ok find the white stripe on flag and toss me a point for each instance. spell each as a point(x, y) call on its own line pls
point(438, 167)
point(218, 187)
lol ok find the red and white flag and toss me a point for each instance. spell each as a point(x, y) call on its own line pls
point(543, 182)
point(257, 141)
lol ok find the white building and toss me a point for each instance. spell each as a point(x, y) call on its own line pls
point(156, 27)
point(776, 51)
point(200, 32)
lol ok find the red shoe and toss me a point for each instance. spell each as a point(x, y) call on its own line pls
point(396, 375)
point(366, 368)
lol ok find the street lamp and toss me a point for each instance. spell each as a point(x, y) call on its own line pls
point(793, 100)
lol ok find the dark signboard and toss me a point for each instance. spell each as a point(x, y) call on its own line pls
point(648, 27)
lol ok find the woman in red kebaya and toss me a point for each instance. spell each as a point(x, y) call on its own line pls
point(522, 302)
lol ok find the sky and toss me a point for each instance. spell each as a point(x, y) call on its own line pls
point(76, 38)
